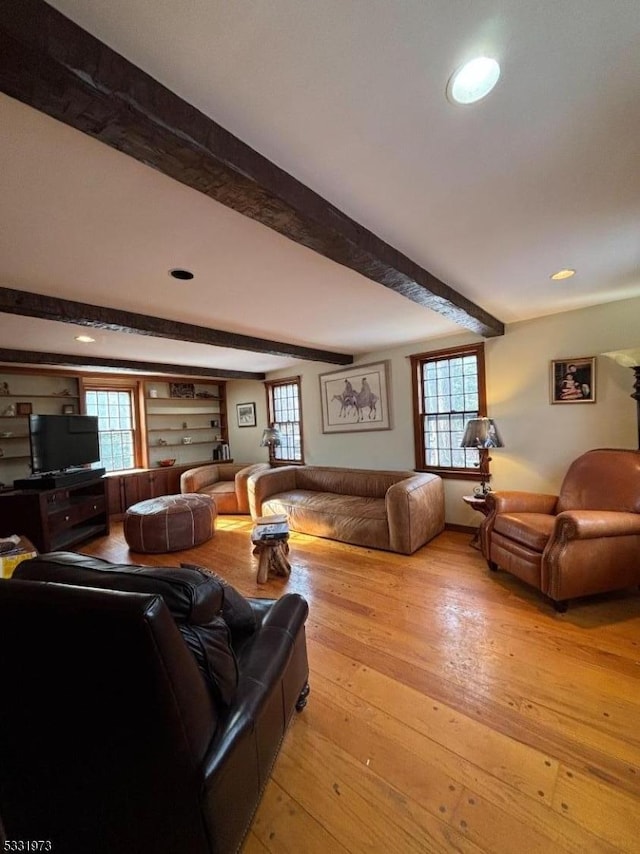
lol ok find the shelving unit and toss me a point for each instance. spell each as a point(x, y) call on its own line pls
point(162, 419)
point(200, 417)
point(43, 394)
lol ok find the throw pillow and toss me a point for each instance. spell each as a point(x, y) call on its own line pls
point(211, 648)
point(237, 612)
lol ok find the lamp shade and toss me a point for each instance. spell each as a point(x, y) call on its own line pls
point(270, 437)
point(627, 358)
point(481, 433)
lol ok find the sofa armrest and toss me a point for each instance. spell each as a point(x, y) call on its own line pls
point(521, 502)
point(262, 484)
point(592, 524)
point(241, 480)
point(512, 502)
point(273, 671)
point(193, 480)
point(415, 511)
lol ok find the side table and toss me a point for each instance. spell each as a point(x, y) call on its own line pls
point(479, 503)
point(270, 538)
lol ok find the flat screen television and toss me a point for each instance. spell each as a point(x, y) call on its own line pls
point(60, 442)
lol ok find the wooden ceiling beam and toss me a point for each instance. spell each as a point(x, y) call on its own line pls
point(51, 64)
point(26, 357)
point(28, 304)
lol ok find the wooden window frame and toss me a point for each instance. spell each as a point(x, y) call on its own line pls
point(136, 388)
point(418, 361)
point(269, 386)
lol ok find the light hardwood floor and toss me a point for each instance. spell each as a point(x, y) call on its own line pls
point(451, 709)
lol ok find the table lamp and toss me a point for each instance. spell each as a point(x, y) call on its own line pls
point(630, 359)
point(482, 433)
point(270, 439)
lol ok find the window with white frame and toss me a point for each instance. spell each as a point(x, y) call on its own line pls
point(285, 412)
point(449, 389)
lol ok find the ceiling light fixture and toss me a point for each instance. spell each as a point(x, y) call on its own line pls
point(185, 275)
point(562, 274)
point(473, 80)
point(86, 339)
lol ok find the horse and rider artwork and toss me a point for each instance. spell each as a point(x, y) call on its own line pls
point(355, 399)
point(353, 403)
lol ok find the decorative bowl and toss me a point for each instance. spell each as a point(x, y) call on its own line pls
point(166, 463)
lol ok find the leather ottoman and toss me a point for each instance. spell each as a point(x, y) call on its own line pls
point(169, 523)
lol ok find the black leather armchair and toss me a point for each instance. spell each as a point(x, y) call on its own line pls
point(126, 724)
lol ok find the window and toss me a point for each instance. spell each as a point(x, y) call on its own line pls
point(285, 411)
point(116, 426)
point(449, 389)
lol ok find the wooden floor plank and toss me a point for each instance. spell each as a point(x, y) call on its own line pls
point(370, 814)
point(493, 755)
point(593, 804)
point(420, 768)
point(281, 825)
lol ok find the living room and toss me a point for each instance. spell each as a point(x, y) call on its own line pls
point(451, 707)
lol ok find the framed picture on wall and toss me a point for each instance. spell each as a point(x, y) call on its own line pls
point(573, 380)
point(246, 413)
point(355, 399)
point(184, 390)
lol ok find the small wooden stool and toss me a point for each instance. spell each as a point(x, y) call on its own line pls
point(270, 537)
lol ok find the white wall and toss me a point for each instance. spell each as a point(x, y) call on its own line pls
point(540, 439)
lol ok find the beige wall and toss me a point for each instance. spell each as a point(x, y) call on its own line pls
point(540, 439)
point(244, 442)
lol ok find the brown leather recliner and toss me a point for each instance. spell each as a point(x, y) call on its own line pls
point(583, 541)
point(142, 708)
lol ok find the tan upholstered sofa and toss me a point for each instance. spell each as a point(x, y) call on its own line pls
point(398, 511)
point(226, 483)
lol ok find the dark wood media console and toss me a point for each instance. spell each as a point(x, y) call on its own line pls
point(56, 519)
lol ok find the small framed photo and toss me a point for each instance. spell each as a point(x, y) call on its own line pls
point(68, 409)
point(24, 409)
point(573, 380)
point(246, 414)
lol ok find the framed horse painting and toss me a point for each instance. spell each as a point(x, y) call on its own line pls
point(356, 399)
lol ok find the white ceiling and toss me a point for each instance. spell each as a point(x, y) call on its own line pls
point(348, 97)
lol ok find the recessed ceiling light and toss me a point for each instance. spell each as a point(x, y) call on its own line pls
point(563, 274)
point(185, 275)
point(473, 80)
point(86, 339)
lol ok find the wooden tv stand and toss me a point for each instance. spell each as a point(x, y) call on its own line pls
point(56, 519)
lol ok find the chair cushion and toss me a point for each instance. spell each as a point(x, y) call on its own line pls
point(236, 610)
point(354, 519)
point(530, 529)
point(194, 599)
point(223, 493)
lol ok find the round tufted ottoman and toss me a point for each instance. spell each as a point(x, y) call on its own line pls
point(169, 523)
